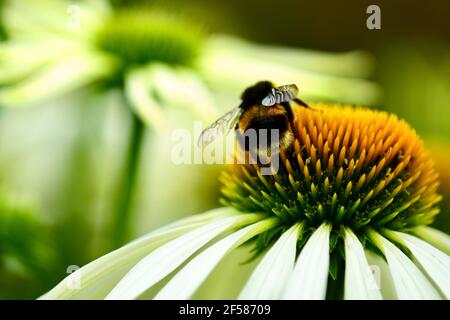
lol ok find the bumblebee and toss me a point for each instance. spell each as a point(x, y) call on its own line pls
point(263, 106)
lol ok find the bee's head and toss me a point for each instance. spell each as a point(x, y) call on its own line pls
point(255, 94)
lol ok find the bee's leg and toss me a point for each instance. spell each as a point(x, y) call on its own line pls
point(300, 102)
point(303, 104)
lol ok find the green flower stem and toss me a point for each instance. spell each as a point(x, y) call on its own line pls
point(123, 219)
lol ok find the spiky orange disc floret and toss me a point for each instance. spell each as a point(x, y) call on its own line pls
point(349, 166)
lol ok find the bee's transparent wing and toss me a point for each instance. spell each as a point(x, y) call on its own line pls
point(286, 93)
point(290, 90)
point(223, 125)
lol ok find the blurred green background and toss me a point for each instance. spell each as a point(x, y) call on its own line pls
point(63, 161)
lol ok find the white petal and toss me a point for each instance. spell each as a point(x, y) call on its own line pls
point(168, 257)
point(207, 216)
point(36, 16)
point(180, 87)
point(223, 67)
point(348, 64)
point(98, 277)
point(271, 275)
point(185, 282)
point(409, 281)
point(310, 275)
point(382, 275)
point(61, 77)
point(434, 262)
point(41, 18)
point(21, 58)
point(437, 238)
point(360, 283)
point(138, 90)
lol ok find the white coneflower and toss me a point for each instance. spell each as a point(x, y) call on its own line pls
point(358, 187)
point(55, 47)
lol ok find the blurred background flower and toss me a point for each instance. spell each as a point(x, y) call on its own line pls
point(109, 80)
